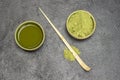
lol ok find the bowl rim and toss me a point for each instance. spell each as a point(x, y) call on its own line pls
point(17, 29)
point(81, 38)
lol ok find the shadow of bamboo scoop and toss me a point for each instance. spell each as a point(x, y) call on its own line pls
point(80, 61)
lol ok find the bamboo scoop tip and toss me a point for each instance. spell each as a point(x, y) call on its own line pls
point(40, 9)
point(87, 69)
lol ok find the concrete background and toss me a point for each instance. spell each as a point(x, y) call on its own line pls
point(101, 51)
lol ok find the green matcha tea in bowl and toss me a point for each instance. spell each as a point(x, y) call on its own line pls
point(80, 24)
point(29, 35)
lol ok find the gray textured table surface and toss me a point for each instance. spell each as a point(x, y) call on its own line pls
point(101, 51)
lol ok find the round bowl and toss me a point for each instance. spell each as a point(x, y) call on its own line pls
point(29, 35)
point(80, 24)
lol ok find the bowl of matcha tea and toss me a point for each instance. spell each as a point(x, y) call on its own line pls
point(29, 35)
point(80, 24)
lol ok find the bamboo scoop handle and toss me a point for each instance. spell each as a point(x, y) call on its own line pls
point(80, 61)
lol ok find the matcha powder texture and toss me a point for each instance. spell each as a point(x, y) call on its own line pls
point(80, 24)
point(68, 55)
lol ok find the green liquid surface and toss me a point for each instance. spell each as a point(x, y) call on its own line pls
point(29, 35)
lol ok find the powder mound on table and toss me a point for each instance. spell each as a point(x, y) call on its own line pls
point(68, 55)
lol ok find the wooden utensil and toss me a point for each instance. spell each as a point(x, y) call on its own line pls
point(80, 61)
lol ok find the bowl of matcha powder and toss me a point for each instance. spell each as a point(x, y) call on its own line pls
point(80, 24)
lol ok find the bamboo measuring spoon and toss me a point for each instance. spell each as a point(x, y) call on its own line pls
point(80, 61)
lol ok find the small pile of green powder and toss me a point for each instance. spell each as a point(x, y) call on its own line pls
point(68, 55)
point(80, 24)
